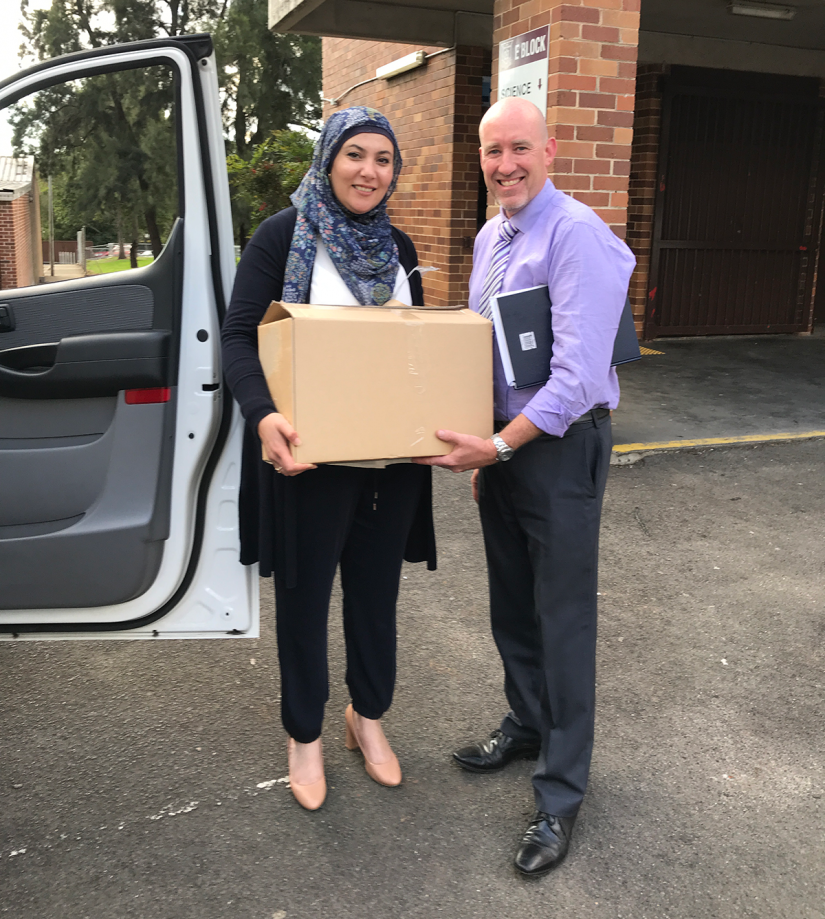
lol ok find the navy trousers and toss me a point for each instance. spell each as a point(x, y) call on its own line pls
point(540, 513)
point(359, 518)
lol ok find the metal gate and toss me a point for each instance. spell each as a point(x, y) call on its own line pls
point(735, 232)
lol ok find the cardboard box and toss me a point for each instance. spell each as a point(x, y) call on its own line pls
point(364, 383)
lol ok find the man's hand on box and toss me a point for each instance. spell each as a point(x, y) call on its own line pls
point(469, 452)
point(474, 452)
point(276, 435)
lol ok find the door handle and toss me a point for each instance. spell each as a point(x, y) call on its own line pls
point(83, 366)
point(29, 358)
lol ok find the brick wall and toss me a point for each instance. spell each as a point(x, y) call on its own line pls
point(643, 177)
point(16, 263)
point(8, 259)
point(591, 86)
point(434, 111)
point(21, 215)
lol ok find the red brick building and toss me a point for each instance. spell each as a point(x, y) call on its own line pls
point(694, 128)
point(21, 262)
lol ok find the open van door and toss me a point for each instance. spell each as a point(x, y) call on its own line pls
point(119, 445)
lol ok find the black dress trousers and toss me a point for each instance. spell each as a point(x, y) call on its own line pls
point(359, 518)
point(540, 514)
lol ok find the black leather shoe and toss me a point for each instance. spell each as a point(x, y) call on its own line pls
point(544, 845)
point(494, 753)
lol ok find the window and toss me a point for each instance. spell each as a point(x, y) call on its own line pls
point(93, 184)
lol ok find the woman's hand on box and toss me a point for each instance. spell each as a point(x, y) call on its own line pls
point(276, 435)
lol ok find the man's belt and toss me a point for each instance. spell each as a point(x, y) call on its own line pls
point(591, 417)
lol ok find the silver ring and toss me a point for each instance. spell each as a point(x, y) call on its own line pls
point(279, 468)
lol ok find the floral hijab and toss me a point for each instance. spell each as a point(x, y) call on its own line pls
point(360, 245)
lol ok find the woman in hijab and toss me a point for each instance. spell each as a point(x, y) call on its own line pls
point(335, 246)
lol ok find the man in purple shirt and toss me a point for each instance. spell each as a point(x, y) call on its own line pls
point(540, 481)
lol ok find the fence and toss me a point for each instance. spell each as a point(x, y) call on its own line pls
point(65, 251)
point(62, 247)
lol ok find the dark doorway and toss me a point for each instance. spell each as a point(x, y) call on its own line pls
point(735, 233)
point(819, 299)
point(481, 205)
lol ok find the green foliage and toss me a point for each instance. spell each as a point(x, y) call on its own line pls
point(268, 81)
point(109, 144)
point(69, 215)
point(108, 141)
point(265, 182)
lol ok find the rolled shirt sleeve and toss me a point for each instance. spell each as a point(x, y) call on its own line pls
point(588, 286)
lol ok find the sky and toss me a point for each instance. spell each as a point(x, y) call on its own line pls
point(10, 40)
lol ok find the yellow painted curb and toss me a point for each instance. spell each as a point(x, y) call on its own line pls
point(715, 442)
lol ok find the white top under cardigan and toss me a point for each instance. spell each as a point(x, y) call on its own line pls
point(328, 288)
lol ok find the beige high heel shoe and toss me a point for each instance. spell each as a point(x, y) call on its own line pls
point(388, 773)
point(311, 796)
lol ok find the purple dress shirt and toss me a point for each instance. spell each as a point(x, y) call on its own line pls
point(562, 243)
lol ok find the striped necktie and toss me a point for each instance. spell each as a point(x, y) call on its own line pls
point(498, 265)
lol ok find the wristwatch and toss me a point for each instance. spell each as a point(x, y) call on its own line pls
point(503, 450)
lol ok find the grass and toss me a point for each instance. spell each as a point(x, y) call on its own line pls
point(107, 265)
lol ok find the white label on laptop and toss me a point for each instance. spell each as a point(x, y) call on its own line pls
point(528, 341)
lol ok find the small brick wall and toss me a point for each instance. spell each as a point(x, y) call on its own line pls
point(591, 87)
point(434, 111)
point(21, 211)
point(16, 257)
point(8, 260)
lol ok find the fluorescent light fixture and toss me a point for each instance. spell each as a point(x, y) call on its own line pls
point(402, 65)
point(761, 10)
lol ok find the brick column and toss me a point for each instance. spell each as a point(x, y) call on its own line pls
point(591, 86)
point(8, 255)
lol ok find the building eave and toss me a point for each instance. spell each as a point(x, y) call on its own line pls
point(426, 22)
point(13, 193)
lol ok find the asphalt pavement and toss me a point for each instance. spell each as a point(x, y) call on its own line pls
point(146, 779)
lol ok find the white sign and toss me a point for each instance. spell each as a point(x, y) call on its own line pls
point(522, 67)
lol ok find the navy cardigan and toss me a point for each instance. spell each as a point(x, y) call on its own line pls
point(266, 498)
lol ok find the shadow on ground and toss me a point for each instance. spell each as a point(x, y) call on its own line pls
point(730, 386)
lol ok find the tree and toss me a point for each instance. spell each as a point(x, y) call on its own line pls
point(109, 143)
point(268, 83)
point(265, 182)
point(109, 139)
